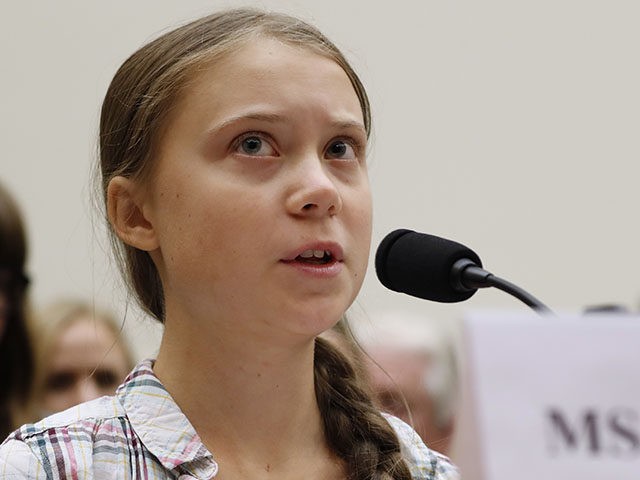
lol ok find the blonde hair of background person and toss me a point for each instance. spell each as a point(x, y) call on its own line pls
point(233, 162)
point(413, 369)
point(80, 354)
point(15, 349)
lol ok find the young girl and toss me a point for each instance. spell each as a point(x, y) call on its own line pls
point(234, 174)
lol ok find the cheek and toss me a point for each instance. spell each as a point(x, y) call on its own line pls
point(361, 223)
point(364, 204)
point(185, 222)
point(223, 230)
point(208, 235)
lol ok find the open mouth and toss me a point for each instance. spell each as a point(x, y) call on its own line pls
point(315, 257)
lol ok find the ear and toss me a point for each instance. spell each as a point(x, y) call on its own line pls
point(126, 214)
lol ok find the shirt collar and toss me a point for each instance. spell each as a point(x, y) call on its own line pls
point(161, 426)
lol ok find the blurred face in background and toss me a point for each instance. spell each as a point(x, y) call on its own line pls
point(397, 373)
point(86, 361)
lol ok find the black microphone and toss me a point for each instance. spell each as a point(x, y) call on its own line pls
point(437, 269)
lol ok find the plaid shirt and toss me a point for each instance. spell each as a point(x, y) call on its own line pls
point(140, 433)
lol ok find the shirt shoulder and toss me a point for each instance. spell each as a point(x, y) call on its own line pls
point(18, 461)
point(141, 430)
point(63, 445)
point(424, 463)
point(87, 416)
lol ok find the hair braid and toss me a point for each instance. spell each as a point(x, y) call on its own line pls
point(354, 427)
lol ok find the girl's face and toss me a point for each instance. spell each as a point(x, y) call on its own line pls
point(259, 200)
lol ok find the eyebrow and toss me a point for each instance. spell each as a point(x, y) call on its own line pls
point(348, 124)
point(277, 118)
point(262, 117)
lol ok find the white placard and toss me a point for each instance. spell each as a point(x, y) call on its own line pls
point(549, 398)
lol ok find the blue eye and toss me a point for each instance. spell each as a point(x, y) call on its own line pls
point(251, 145)
point(341, 150)
point(254, 145)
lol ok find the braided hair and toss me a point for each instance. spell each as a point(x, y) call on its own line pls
point(354, 427)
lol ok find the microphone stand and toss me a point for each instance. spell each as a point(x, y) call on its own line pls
point(467, 276)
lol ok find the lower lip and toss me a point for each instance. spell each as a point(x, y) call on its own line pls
point(327, 270)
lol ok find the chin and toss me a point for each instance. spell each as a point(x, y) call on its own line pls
point(313, 319)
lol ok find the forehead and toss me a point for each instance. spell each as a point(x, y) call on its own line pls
point(86, 342)
point(84, 331)
point(264, 53)
point(264, 67)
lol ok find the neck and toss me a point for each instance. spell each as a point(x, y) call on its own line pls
point(240, 393)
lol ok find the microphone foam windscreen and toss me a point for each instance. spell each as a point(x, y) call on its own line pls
point(420, 265)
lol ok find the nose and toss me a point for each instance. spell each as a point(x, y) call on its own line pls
point(314, 193)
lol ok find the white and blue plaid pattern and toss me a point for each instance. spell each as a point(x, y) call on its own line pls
point(140, 433)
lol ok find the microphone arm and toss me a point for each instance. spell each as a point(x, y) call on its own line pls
point(466, 275)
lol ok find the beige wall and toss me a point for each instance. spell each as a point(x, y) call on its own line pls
point(510, 126)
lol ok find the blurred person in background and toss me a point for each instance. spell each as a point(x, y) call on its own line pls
point(15, 351)
point(80, 354)
point(412, 367)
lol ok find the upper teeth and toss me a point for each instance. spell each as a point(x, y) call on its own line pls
point(313, 253)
